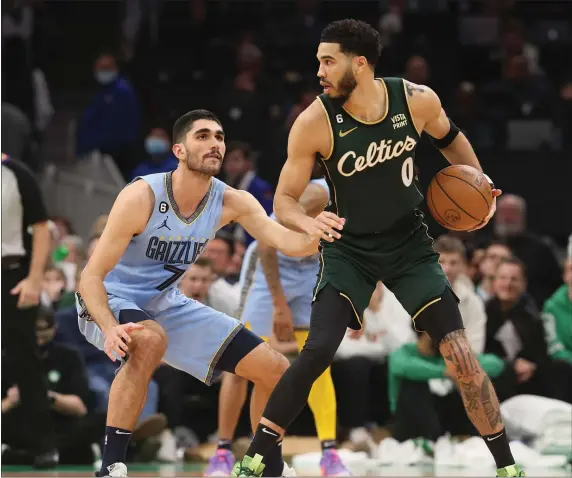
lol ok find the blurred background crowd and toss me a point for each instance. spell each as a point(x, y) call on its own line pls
point(89, 94)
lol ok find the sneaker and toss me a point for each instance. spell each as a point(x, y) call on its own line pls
point(287, 471)
point(249, 466)
point(46, 460)
point(168, 451)
point(220, 464)
point(114, 470)
point(512, 470)
point(331, 464)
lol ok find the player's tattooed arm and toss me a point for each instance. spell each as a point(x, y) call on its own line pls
point(428, 115)
point(412, 88)
point(282, 325)
point(269, 263)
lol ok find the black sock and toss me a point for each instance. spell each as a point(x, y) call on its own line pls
point(225, 445)
point(273, 461)
point(115, 449)
point(499, 448)
point(267, 442)
point(264, 441)
point(328, 445)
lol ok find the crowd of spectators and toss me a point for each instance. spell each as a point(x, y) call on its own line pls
point(521, 334)
point(499, 74)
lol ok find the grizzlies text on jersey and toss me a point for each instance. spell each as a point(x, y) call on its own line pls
point(143, 284)
point(156, 259)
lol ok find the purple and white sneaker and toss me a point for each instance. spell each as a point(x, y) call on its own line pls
point(221, 464)
point(331, 464)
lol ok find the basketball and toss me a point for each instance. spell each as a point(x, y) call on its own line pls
point(459, 197)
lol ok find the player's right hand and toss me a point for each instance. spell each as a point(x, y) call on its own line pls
point(29, 292)
point(117, 339)
point(326, 226)
point(282, 324)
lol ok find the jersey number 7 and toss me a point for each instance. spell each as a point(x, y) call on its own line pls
point(177, 273)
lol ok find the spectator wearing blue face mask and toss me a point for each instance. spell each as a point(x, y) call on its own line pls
point(111, 122)
point(161, 159)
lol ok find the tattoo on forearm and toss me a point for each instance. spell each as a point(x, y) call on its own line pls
point(475, 387)
point(269, 263)
point(412, 88)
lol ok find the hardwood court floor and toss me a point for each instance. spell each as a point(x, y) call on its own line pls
point(193, 469)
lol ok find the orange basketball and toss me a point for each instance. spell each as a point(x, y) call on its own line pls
point(459, 197)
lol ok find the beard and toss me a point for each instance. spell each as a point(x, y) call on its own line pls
point(345, 86)
point(206, 165)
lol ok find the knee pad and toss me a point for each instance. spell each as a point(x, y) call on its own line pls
point(440, 318)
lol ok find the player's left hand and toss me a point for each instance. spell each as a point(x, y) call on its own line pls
point(29, 290)
point(495, 193)
point(282, 324)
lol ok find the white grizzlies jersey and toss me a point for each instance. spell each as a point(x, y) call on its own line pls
point(284, 260)
point(155, 260)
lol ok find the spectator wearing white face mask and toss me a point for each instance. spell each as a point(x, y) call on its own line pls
point(67, 257)
point(160, 157)
point(110, 124)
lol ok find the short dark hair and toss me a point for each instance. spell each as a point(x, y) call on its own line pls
point(448, 244)
point(204, 262)
point(228, 239)
point(515, 262)
point(185, 123)
point(354, 37)
point(500, 243)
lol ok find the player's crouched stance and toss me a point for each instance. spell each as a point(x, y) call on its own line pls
point(129, 304)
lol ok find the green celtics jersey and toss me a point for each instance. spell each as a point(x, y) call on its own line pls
point(370, 168)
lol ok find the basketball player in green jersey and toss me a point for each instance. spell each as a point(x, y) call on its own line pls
point(364, 130)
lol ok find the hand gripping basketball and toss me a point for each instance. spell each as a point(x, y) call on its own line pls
point(462, 198)
point(495, 193)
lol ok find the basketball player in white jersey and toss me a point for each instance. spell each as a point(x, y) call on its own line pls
point(129, 304)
